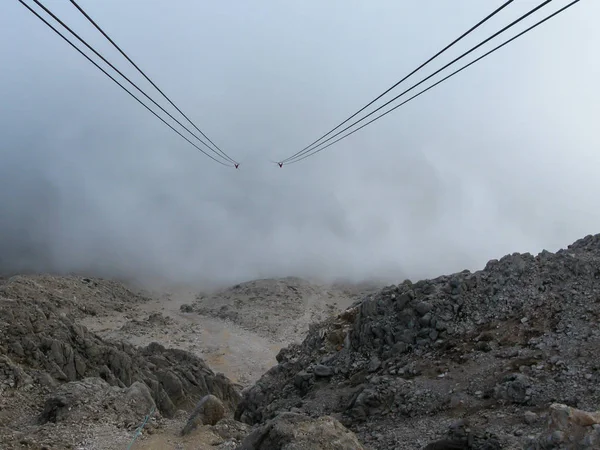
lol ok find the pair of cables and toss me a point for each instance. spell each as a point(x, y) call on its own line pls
point(209, 148)
point(324, 141)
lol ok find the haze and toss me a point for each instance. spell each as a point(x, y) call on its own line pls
point(501, 158)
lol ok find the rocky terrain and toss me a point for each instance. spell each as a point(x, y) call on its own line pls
point(59, 382)
point(502, 358)
point(282, 309)
point(485, 352)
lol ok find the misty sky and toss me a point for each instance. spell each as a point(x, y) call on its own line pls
point(503, 157)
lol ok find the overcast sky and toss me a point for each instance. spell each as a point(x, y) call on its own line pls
point(503, 157)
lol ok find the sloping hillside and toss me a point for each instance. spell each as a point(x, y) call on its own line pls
point(59, 382)
point(280, 309)
point(495, 347)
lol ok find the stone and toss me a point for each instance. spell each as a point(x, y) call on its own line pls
point(291, 431)
point(374, 365)
point(302, 379)
point(323, 371)
point(78, 400)
point(530, 417)
point(516, 388)
point(423, 308)
point(55, 349)
point(208, 411)
point(569, 428)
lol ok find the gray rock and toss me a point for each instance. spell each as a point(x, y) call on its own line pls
point(83, 400)
point(290, 431)
point(399, 348)
point(374, 365)
point(515, 388)
point(425, 321)
point(423, 308)
point(530, 417)
point(321, 370)
point(303, 379)
point(51, 343)
point(468, 329)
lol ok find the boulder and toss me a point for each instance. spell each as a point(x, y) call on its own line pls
point(569, 428)
point(208, 411)
point(289, 431)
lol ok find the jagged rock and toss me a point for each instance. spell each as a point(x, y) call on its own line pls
point(290, 431)
point(13, 375)
point(515, 388)
point(423, 308)
point(208, 411)
point(569, 428)
point(303, 379)
point(408, 348)
point(37, 336)
point(322, 371)
point(374, 364)
point(93, 398)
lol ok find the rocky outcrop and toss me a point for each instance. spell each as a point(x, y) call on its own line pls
point(521, 333)
point(93, 399)
point(569, 428)
point(47, 344)
point(290, 431)
point(76, 296)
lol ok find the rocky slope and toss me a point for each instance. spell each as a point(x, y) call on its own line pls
point(280, 309)
point(56, 377)
point(493, 348)
point(496, 359)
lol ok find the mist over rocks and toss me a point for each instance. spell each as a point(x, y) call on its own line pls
point(503, 357)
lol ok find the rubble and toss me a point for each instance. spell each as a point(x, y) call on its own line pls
point(521, 333)
point(568, 428)
point(289, 431)
point(68, 374)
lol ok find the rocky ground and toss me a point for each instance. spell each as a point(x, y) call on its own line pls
point(68, 343)
point(506, 357)
point(492, 349)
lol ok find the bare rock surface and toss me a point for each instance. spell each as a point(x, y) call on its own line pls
point(290, 431)
point(93, 399)
point(488, 346)
point(569, 428)
point(54, 372)
point(502, 358)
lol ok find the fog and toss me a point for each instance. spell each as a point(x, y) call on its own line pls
point(501, 158)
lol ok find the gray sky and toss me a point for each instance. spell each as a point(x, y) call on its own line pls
point(500, 158)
